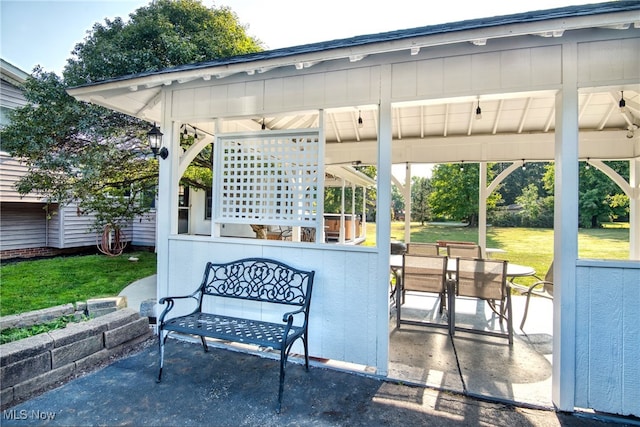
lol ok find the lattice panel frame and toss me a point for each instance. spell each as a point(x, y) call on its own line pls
point(267, 179)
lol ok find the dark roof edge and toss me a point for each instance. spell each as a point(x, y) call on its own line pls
point(471, 24)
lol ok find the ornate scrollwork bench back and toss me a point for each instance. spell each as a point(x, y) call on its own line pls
point(254, 279)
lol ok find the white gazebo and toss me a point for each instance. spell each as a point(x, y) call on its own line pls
point(549, 85)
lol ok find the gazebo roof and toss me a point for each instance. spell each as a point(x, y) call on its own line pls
point(514, 125)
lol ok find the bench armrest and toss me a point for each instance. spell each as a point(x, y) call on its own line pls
point(170, 301)
point(289, 316)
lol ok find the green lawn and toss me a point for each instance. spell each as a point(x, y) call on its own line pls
point(32, 285)
point(527, 246)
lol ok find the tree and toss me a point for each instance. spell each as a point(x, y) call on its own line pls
point(420, 190)
point(84, 153)
point(600, 199)
point(455, 192)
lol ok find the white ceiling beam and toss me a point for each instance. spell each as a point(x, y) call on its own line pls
point(607, 145)
point(496, 122)
point(446, 120)
point(584, 106)
point(606, 117)
point(472, 117)
point(334, 126)
point(525, 113)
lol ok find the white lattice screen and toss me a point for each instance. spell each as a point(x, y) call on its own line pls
point(268, 179)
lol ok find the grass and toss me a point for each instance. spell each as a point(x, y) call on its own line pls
point(15, 334)
point(33, 285)
point(526, 246)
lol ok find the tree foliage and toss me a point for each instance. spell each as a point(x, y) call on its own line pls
point(600, 199)
point(454, 192)
point(97, 157)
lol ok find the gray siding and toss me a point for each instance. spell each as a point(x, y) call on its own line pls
point(144, 230)
point(11, 171)
point(22, 226)
point(11, 95)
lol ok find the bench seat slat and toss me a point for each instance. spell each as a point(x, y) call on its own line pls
point(225, 327)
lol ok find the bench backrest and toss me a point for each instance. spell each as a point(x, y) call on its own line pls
point(258, 279)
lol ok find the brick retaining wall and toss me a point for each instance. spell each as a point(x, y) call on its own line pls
point(39, 362)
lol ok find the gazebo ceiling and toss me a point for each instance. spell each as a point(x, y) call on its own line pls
point(512, 126)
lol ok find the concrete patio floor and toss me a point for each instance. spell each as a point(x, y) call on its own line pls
point(470, 363)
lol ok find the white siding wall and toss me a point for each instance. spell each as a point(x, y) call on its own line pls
point(608, 336)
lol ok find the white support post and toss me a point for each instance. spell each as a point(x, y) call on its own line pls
point(353, 211)
point(167, 211)
point(566, 234)
point(634, 209)
point(363, 226)
point(383, 220)
point(342, 229)
point(407, 203)
point(482, 207)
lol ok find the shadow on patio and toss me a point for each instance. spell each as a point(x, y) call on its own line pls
point(474, 364)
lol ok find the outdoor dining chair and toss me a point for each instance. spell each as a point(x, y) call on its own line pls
point(422, 273)
point(422, 249)
point(486, 280)
point(541, 288)
point(465, 250)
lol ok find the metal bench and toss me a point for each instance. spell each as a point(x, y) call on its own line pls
point(254, 279)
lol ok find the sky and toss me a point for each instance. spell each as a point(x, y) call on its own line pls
point(44, 32)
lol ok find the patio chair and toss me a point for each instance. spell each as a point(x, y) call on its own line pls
point(422, 249)
point(486, 280)
point(464, 250)
point(541, 288)
point(422, 273)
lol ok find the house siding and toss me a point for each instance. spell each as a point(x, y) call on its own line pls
point(11, 95)
point(22, 226)
point(143, 230)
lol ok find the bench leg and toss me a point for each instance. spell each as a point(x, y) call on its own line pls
point(204, 344)
point(306, 352)
point(283, 360)
point(161, 339)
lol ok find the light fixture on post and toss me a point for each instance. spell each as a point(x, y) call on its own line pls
point(360, 122)
point(622, 103)
point(264, 126)
point(587, 166)
point(462, 166)
point(524, 165)
point(155, 142)
point(478, 111)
